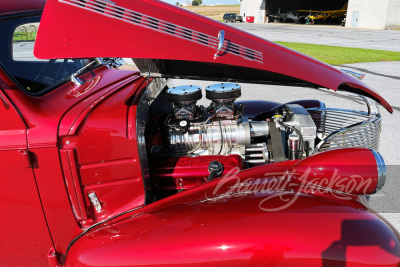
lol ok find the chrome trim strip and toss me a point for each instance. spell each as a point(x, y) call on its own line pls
point(142, 20)
point(97, 224)
point(380, 163)
point(359, 76)
point(371, 104)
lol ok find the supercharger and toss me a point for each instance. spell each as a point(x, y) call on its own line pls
point(219, 129)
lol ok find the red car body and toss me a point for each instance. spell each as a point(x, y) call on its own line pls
point(61, 144)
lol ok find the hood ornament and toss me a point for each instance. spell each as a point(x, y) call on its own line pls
point(221, 37)
point(359, 76)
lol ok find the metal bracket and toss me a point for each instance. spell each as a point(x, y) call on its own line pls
point(74, 77)
point(25, 158)
point(111, 63)
point(221, 37)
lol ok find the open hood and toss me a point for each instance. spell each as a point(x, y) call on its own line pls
point(179, 43)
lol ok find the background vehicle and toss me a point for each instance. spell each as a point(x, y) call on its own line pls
point(282, 17)
point(104, 166)
point(232, 17)
point(330, 17)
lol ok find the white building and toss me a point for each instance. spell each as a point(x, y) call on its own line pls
point(368, 14)
point(187, 3)
point(255, 8)
point(373, 14)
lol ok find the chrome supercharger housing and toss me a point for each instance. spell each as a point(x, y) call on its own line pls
point(221, 128)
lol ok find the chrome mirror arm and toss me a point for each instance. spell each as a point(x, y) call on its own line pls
point(74, 77)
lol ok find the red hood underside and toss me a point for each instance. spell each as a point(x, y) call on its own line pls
point(181, 43)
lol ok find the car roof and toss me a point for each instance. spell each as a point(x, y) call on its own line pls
point(19, 6)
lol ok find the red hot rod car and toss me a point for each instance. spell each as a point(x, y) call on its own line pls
point(106, 166)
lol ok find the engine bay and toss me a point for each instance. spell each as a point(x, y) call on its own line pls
point(189, 144)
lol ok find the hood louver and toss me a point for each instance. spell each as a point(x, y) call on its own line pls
point(110, 9)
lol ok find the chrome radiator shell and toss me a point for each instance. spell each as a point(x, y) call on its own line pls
point(340, 128)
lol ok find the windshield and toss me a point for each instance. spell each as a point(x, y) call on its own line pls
point(36, 76)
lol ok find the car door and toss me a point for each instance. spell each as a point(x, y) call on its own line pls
point(25, 239)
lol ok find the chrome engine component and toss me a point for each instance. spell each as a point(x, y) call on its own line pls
point(217, 137)
point(340, 128)
point(294, 147)
point(221, 129)
point(184, 100)
point(381, 170)
point(223, 96)
point(257, 153)
point(298, 117)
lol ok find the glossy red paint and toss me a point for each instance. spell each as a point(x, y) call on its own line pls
point(53, 259)
point(223, 223)
point(46, 118)
point(55, 200)
point(183, 238)
point(75, 140)
point(100, 155)
point(353, 171)
point(18, 6)
point(158, 23)
point(177, 173)
point(23, 224)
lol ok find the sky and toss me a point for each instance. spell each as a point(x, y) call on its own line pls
point(208, 2)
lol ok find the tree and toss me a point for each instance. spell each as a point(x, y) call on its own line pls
point(197, 2)
point(177, 4)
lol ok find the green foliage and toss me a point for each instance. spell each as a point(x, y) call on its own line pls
point(337, 55)
point(24, 36)
point(197, 2)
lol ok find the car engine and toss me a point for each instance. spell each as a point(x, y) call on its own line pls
point(288, 132)
point(188, 144)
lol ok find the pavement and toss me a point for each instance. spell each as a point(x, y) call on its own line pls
point(326, 35)
point(384, 77)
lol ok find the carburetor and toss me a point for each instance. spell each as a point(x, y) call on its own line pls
point(184, 99)
point(223, 96)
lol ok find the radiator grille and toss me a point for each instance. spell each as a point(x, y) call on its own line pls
point(338, 128)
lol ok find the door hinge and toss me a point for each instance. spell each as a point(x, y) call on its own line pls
point(25, 158)
point(52, 257)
